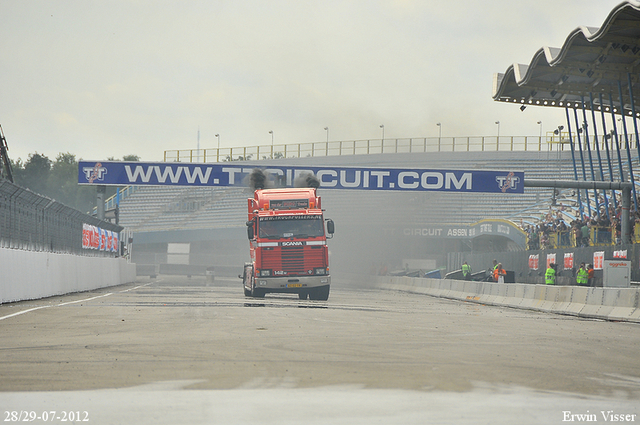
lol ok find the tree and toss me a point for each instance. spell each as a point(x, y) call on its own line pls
point(58, 180)
point(63, 184)
point(18, 170)
point(36, 173)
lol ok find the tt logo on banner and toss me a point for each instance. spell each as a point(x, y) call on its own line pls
point(94, 173)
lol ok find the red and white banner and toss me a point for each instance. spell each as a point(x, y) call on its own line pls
point(598, 260)
point(533, 261)
point(551, 258)
point(96, 238)
point(86, 236)
point(109, 241)
point(620, 254)
point(568, 260)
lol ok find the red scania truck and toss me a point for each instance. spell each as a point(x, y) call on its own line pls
point(288, 244)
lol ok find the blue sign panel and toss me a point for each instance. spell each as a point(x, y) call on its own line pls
point(228, 174)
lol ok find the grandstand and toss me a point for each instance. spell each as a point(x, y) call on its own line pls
point(173, 208)
point(158, 215)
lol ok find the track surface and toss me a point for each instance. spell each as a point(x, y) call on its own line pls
point(203, 336)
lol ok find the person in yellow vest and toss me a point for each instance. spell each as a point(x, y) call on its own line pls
point(550, 274)
point(466, 271)
point(582, 277)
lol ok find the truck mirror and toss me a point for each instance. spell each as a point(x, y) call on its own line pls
point(330, 227)
point(250, 232)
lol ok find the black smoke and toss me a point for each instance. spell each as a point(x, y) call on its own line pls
point(258, 179)
point(307, 180)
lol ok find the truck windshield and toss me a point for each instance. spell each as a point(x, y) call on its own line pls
point(291, 226)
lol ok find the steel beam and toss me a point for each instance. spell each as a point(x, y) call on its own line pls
point(625, 187)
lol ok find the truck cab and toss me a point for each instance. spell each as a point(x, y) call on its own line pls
point(287, 244)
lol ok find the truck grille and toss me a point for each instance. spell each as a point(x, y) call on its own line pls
point(293, 260)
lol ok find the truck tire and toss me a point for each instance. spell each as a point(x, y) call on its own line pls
point(303, 295)
point(319, 294)
point(258, 293)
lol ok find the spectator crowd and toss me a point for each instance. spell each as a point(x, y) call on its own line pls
point(555, 230)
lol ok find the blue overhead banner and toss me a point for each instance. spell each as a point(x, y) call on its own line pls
point(228, 174)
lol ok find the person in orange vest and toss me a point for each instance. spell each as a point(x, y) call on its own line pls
point(492, 271)
point(591, 275)
point(499, 273)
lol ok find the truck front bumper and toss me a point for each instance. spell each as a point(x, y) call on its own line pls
point(291, 284)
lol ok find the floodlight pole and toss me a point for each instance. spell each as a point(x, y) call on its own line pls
point(101, 190)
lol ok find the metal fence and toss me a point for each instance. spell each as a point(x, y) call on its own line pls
point(550, 142)
point(518, 262)
point(34, 222)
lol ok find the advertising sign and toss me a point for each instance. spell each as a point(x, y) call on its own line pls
point(620, 254)
point(551, 258)
point(112, 173)
point(100, 239)
point(534, 259)
point(568, 260)
point(598, 260)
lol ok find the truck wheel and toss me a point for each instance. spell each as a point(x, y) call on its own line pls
point(319, 294)
point(303, 295)
point(258, 293)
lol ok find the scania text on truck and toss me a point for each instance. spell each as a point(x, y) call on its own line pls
point(288, 244)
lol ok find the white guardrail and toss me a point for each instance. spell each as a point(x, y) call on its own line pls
point(28, 275)
point(599, 303)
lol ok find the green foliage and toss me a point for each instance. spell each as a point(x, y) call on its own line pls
point(36, 172)
point(240, 158)
point(58, 179)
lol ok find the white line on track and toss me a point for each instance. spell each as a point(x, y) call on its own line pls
point(71, 302)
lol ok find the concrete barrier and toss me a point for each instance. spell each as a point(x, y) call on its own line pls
point(27, 275)
point(563, 299)
point(601, 303)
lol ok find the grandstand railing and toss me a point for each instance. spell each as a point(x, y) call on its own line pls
point(550, 142)
point(113, 201)
point(598, 236)
point(33, 222)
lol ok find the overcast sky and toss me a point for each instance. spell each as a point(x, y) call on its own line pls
point(111, 78)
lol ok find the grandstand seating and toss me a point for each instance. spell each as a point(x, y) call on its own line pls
point(172, 208)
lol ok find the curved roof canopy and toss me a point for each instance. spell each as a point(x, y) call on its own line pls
point(592, 64)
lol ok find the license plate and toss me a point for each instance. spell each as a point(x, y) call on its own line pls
point(294, 285)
